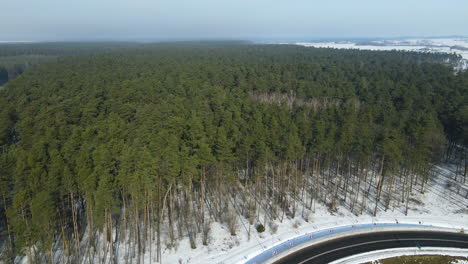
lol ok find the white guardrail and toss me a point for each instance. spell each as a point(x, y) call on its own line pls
point(271, 250)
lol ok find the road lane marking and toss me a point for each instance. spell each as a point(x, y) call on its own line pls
point(379, 241)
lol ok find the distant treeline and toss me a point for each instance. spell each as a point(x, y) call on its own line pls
point(15, 58)
point(60, 48)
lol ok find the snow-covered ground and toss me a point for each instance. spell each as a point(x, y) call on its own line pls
point(440, 205)
point(460, 262)
point(458, 45)
point(443, 204)
point(436, 45)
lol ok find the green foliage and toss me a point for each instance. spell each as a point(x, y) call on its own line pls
point(117, 128)
point(260, 228)
point(3, 75)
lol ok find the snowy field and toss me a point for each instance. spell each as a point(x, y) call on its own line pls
point(436, 45)
point(443, 204)
point(448, 45)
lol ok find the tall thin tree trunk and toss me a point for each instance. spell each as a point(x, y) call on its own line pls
point(75, 224)
point(379, 185)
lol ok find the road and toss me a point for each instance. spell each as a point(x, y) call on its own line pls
point(355, 244)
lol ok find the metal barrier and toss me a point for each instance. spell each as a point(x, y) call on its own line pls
point(312, 236)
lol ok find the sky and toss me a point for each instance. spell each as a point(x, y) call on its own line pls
point(301, 20)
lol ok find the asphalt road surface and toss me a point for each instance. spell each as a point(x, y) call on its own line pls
point(351, 245)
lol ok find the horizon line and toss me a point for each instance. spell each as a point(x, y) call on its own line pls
point(182, 39)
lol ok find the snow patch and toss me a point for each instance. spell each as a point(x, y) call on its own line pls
point(432, 45)
point(443, 204)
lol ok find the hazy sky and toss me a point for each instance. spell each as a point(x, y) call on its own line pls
point(234, 19)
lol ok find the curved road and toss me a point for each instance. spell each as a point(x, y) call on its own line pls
point(338, 248)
